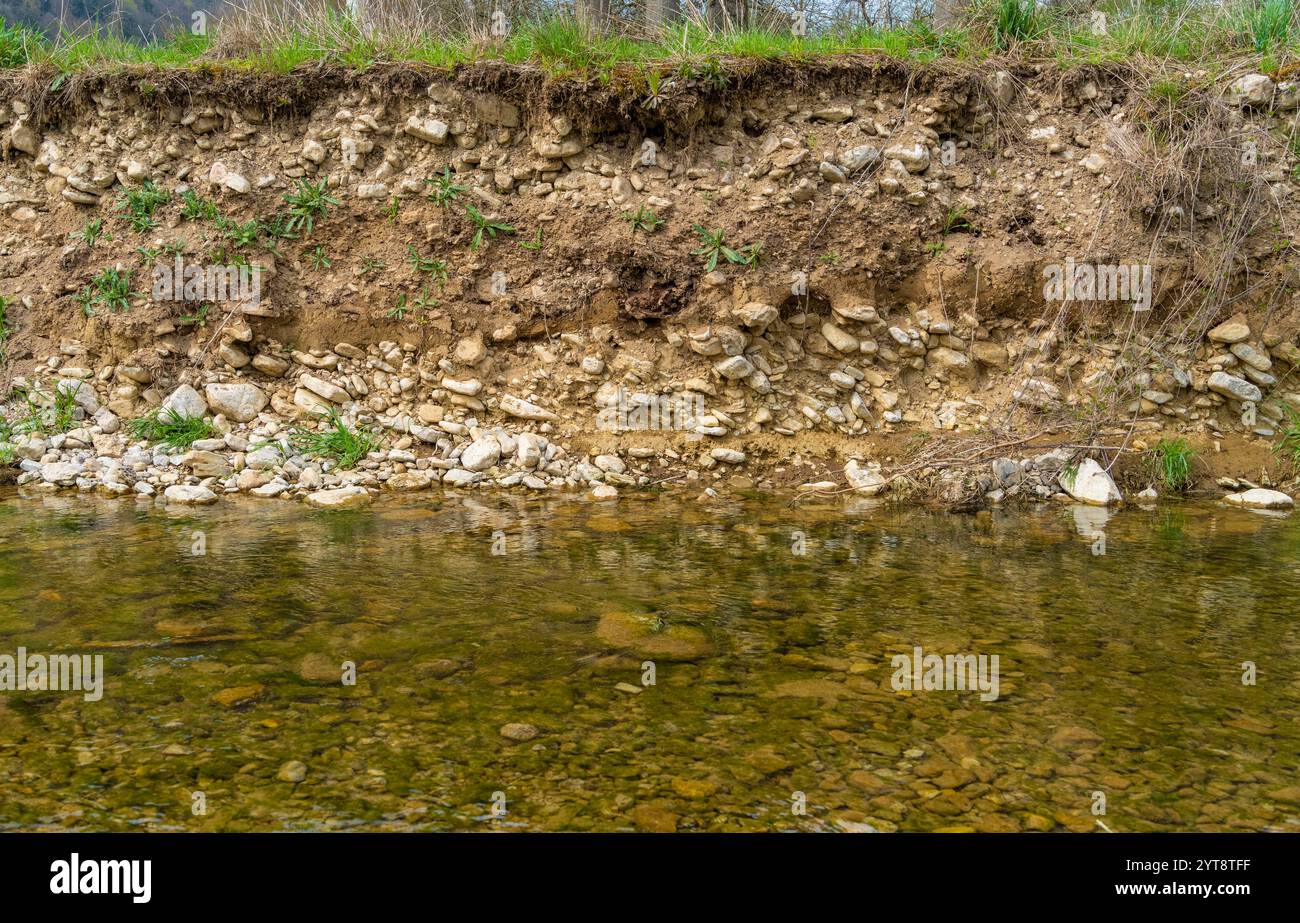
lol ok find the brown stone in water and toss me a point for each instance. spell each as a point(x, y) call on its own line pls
point(237, 696)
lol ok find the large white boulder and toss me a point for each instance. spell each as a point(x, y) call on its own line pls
point(339, 498)
point(189, 493)
point(481, 454)
point(185, 401)
point(1090, 483)
point(1261, 499)
point(240, 401)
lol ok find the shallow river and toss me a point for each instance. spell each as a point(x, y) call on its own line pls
point(725, 667)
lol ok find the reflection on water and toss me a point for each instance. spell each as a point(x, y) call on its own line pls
point(1120, 672)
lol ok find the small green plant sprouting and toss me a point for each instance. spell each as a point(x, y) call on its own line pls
point(318, 259)
point(111, 288)
point(393, 210)
point(422, 301)
point(149, 254)
point(199, 317)
point(344, 445)
point(86, 298)
point(170, 428)
point(715, 247)
point(369, 264)
point(140, 204)
point(279, 227)
point(657, 89)
point(484, 225)
point(830, 258)
point(1289, 445)
point(955, 220)
point(220, 253)
point(194, 208)
point(426, 265)
point(642, 220)
point(1070, 474)
point(750, 254)
point(92, 232)
point(241, 235)
point(1173, 464)
point(535, 243)
point(64, 408)
point(443, 190)
point(307, 202)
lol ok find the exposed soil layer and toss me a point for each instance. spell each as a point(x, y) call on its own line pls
point(827, 259)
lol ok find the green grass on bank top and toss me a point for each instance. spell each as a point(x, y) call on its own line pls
point(1195, 32)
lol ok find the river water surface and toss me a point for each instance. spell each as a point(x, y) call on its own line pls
point(767, 628)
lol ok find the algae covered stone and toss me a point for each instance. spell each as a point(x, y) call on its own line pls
point(652, 636)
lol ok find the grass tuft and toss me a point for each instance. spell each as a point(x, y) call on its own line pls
point(1173, 464)
point(344, 445)
point(276, 36)
point(170, 428)
point(1288, 446)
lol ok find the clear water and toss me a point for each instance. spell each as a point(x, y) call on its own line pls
point(772, 706)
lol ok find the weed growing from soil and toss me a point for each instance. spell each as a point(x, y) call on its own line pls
point(1270, 24)
point(140, 205)
point(194, 208)
point(484, 225)
point(443, 190)
point(46, 413)
point(318, 259)
point(642, 220)
point(279, 227)
point(1014, 21)
point(426, 265)
point(111, 288)
point(715, 247)
point(199, 318)
point(307, 203)
point(91, 233)
point(240, 235)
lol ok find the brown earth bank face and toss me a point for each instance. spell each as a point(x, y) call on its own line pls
point(850, 275)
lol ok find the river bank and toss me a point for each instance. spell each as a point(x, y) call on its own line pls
point(891, 283)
